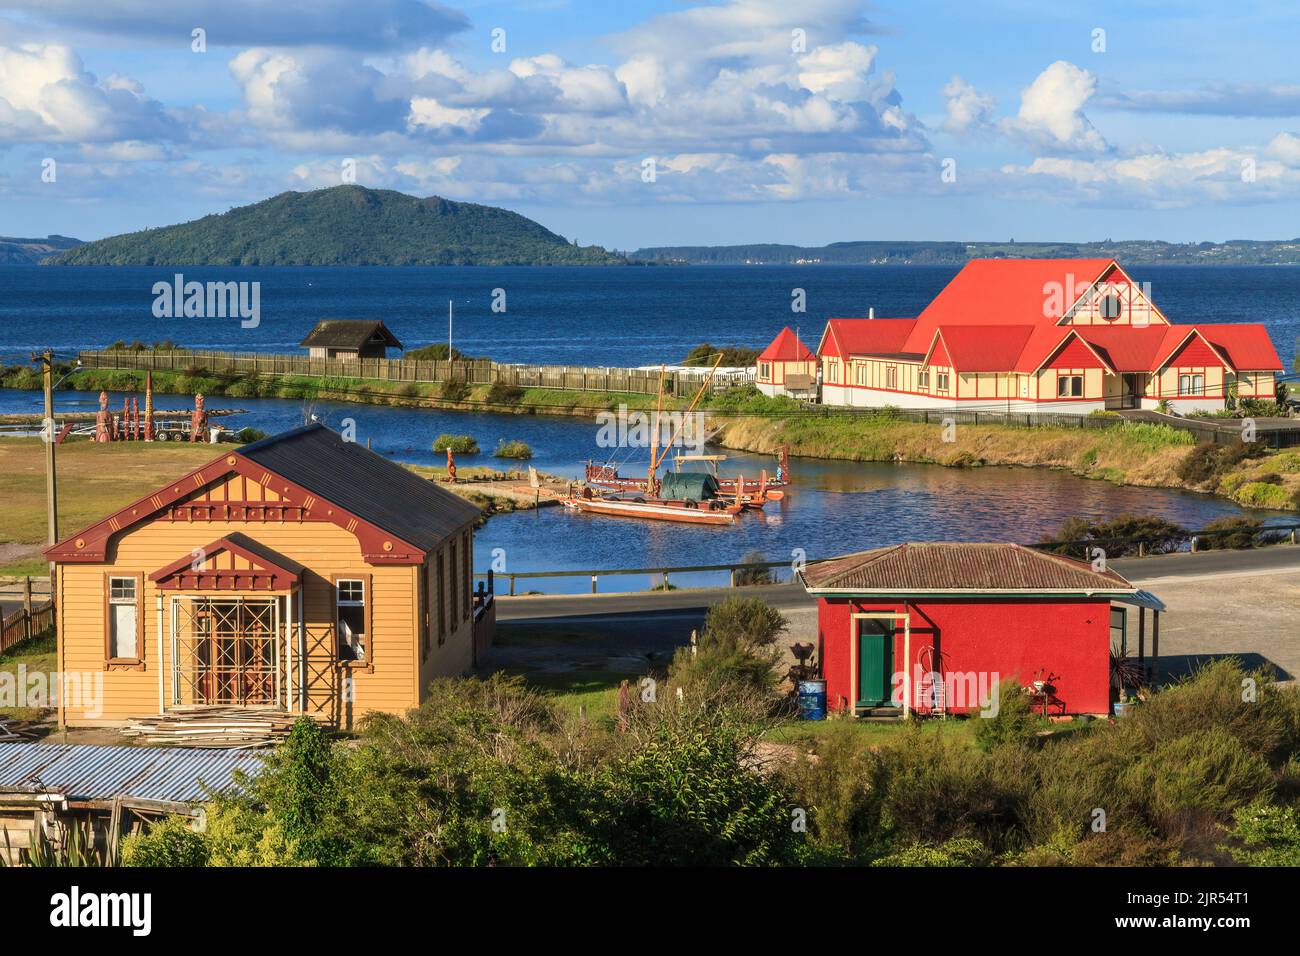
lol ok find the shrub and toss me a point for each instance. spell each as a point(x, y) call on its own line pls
point(755, 574)
point(960, 851)
point(736, 647)
point(513, 449)
point(1119, 536)
point(733, 356)
point(249, 434)
point(437, 352)
point(1014, 722)
point(500, 394)
point(460, 444)
point(1207, 462)
point(1206, 770)
point(690, 795)
point(1266, 836)
point(453, 390)
point(842, 789)
point(1231, 533)
point(169, 842)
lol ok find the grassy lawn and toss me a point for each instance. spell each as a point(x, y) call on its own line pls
point(28, 567)
point(38, 654)
point(94, 481)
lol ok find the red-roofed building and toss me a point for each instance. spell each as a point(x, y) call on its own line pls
point(1043, 335)
point(786, 367)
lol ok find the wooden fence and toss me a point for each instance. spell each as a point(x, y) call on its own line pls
point(28, 621)
point(412, 371)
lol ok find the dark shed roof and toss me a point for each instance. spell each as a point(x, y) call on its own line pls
point(349, 334)
point(959, 566)
point(366, 484)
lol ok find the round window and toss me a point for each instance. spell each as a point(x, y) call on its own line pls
point(1111, 307)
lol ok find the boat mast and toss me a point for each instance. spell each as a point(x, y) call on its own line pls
point(654, 465)
point(654, 436)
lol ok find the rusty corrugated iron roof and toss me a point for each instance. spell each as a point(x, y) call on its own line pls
point(946, 566)
point(87, 772)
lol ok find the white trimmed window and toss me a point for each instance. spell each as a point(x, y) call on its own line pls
point(1189, 384)
point(765, 371)
point(1069, 386)
point(350, 596)
point(891, 376)
point(862, 374)
point(123, 619)
point(941, 381)
point(923, 379)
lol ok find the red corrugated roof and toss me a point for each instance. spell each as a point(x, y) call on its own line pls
point(943, 566)
point(1247, 347)
point(868, 336)
point(983, 348)
point(786, 347)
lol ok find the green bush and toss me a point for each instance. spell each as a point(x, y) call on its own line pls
point(454, 390)
point(733, 356)
point(960, 851)
point(1117, 537)
point(754, 573)
point(736, 647)
point(513, 449)
point(248, 434)
point(1014, 722)
point(1231, 533)
point(1207, 462)
point(500, 394)
point(460, 444)
point(169, 842)
point(1266, 835)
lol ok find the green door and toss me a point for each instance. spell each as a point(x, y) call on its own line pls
point(875, 662)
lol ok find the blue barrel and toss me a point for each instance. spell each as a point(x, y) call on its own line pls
point(812, 700)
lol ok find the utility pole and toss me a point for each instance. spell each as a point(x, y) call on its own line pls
point(449, 331)
point(46, 359)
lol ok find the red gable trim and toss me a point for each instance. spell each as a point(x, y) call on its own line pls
point(1195, 333)
point(937, 353)
point(828, 333)
point(90, 545)
point(1061, 348)
point(1105, 279)
point(266, 574)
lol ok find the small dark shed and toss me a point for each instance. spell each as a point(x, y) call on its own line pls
point(350, 339)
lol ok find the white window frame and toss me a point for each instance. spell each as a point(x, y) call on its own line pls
point(339, 602)
point(117, 600)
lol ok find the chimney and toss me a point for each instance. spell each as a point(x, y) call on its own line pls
point(871, 312)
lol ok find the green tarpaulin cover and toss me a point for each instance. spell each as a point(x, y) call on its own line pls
point(688, 486)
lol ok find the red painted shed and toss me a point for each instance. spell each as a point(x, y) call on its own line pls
point(925, 627)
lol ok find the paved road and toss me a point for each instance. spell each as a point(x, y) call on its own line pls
point(692, 603)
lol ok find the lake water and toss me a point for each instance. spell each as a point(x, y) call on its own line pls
point(619, 316)
point(833, 506)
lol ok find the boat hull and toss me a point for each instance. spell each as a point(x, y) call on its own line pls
point(653, 511)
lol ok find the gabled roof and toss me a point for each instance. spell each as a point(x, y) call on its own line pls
point(201, 569)
point(1011, 291)
point(845, 337)
point(348, 334)
point(396, 515)
point(959, 567)
point(368, 485)
point(981, 348)
point(786, 347)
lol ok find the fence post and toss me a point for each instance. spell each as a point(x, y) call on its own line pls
point(512, 585)
point(27, 606)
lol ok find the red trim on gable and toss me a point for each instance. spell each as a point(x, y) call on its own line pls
point(90, 545)
point(1076, 354)
point(1195, 353)
point(264, 575)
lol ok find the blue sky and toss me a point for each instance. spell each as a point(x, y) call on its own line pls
point(761, 120)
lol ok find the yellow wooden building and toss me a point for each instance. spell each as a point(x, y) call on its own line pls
point(302, 572)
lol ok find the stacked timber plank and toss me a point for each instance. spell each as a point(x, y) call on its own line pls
point(217, 727)
point(9, 732)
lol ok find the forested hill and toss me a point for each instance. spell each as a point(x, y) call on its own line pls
point(345, 226)
point(1127, 251)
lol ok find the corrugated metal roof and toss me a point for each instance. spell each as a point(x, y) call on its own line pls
point(368, 485)
point(945, 566)
point(85, 772)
